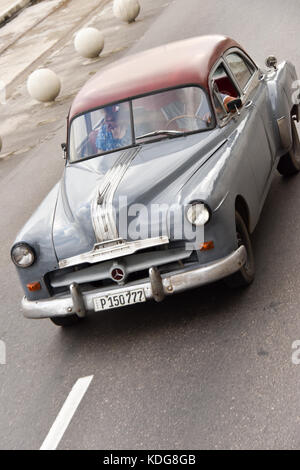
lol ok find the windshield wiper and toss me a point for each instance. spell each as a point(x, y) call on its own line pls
point(160, 132)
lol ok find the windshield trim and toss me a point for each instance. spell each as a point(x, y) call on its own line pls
point(134, 144)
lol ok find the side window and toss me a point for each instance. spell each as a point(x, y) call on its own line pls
point(240, 69)
point(223, 90)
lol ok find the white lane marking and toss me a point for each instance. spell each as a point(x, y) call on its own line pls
point(66, 413)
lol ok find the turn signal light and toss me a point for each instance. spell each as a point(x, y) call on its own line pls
point(34, 286)
point(207, 246)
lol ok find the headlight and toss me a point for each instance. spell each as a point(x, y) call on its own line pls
point(198, 214)
point(22, 255)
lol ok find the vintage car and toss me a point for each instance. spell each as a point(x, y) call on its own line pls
point(194, 124)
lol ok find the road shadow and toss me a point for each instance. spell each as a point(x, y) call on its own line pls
point(198, 309)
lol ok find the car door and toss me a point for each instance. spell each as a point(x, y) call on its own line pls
point(259, 145)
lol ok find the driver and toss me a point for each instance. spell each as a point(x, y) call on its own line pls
point(114, 132)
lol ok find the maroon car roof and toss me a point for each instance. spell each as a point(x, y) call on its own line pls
point(178, 63)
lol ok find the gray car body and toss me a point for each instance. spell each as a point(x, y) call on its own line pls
point(229, 167)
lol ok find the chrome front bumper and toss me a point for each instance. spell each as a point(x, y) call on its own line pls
point(156, 287)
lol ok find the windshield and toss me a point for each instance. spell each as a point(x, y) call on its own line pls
point(160, 115)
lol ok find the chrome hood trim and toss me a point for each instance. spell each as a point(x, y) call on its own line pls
point(102, 213)
point(112, 249)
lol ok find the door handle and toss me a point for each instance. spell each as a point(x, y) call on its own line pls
point(248, 104)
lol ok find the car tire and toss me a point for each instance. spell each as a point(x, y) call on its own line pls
point(70, 320)
point(289, 164)
point(245, 276)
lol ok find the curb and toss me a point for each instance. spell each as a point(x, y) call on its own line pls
point(14, 8)
point(39, 20)
point(60, 43)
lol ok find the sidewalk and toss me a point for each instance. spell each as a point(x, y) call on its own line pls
point(35, 39)
point(10, 7)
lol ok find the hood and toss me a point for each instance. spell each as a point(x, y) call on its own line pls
point(150, 174)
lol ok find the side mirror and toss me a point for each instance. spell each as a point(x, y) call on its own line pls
point(234, 105)
point(271, 62)
point(64, 149)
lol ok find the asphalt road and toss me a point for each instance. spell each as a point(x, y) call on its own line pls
point(206, 369)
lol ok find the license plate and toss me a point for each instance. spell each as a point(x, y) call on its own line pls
point(121, 299)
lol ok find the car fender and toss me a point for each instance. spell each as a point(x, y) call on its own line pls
point(224, 178)
point(281, 87)
point(37, 232)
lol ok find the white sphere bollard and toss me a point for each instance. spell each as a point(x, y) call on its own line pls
point(43, 85)
point(89, 42)
point(126, 10)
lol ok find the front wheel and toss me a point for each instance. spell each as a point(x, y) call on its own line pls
point(245, 276)
point(70, 320)
point(289, 164)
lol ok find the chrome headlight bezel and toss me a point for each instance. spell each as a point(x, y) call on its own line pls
point(28, 251)
point(191, 217)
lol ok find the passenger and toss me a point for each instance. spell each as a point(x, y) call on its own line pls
point(225, 99)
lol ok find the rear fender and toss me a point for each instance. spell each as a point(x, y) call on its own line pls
point(282, 84)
